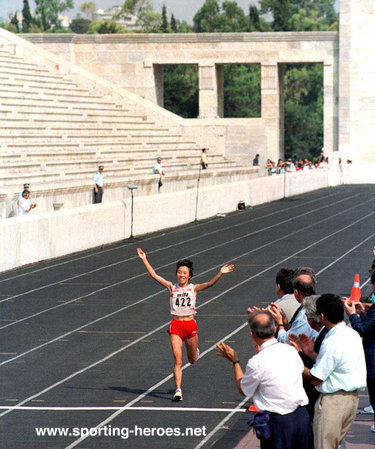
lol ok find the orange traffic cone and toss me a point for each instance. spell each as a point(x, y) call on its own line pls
point(355, 294)
point(253, 408)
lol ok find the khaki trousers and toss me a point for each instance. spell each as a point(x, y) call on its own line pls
point(334, 414)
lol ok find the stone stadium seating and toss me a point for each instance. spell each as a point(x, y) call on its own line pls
point(55, 132)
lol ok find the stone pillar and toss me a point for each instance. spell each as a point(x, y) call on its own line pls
point(159, 84)
point(271, 91)
point(356, 81)
point(208, 96)
point(330, 108)
point(220, 89)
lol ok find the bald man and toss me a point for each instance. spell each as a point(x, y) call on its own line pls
point(273, 378)
point(303, 286)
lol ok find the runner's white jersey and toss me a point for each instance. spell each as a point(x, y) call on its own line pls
point(182, 300)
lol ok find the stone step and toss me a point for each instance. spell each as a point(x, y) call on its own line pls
point(18, 126)
point(19, 178)
point(6, 61)
point(31, 77)
point(35, 70)
point(24, 93)
point(88, 138)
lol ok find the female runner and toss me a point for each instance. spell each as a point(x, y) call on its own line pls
point(183, 327)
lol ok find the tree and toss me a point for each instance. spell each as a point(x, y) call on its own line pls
point(47, 11)
point(105, 27)
point(254, 19)
point(80, 25)
point(242, 96)
point(88, 9)
point(181, 89)
point(206, 20)
point(14, 24)
point(164, 20)
point(281, 12)
point(173, 24)
point(27, 17)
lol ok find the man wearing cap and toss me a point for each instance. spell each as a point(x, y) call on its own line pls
point(25, 187)
point(98, 186)
point(158, 170)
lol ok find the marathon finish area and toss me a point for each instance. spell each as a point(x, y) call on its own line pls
point(84, 338)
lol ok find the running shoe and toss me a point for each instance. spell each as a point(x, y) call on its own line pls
point(372, 428)
point(177, 396)
point(368, 409)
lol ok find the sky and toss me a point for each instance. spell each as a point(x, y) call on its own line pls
point(182, 9)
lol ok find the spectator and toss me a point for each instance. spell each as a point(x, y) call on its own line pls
point(309, 348)
point(290, 167)
point(280, 166)
point(285, 293)
point(24, 204)
point(364, 323)
point(273, 379)
point(98, 185)
point(25, 187)
point(303, 285)
point(256, 161)
point(158, 170)
point(204, 162)
point(338, 373)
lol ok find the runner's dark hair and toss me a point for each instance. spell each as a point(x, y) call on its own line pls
point(185, 263)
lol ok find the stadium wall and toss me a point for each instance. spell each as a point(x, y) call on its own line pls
point(26, 240)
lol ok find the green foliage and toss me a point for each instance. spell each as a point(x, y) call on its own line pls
point(206, 20)
point(303, 110)
point(242, 96)
point(164, 27)
point(105, 27)
point(173, 24)
point(281, 12)
point(181, 89)
point(27, 20)
point(15, 24)
point(88, 9)
point(47, 12)
point(80, 25)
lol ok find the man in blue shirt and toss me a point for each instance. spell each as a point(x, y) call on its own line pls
point(303, 286)
point(98, 186)
point(364, 323)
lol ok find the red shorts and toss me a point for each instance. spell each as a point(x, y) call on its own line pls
point(184, 329)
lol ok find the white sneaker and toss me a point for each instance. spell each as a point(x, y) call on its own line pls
point(178, 395)
point(368, 409)
point(372, 428)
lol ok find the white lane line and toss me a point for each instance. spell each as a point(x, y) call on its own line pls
point(141, 300)
point(160, 291)
point(366, 282)
point(98, 409)
point(171, 232)
point(166, 265)
point(167, 323)
point(221, 424)
point(154, 387)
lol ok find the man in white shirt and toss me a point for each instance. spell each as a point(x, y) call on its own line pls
point(24, 204)
point(158, 170)
point(338, 373)
point(98, 185)
point(273, 378)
